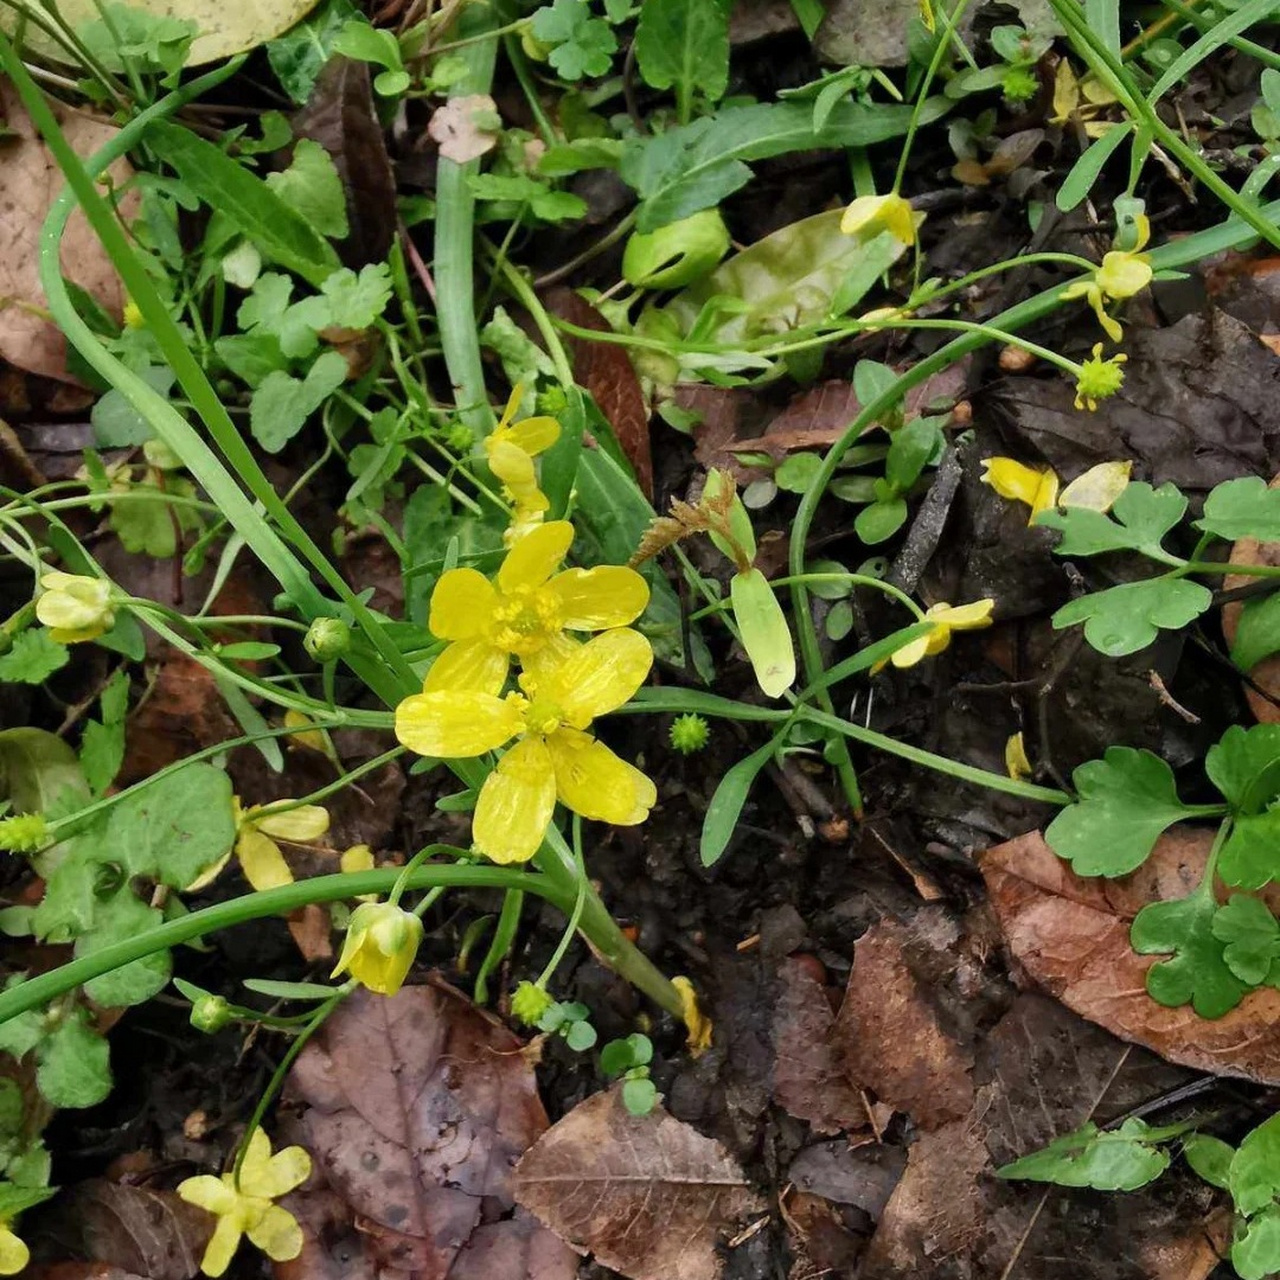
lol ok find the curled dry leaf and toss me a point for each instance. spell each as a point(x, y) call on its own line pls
point(1265, 705)
point(890, 1038)
point(454, 130)
point(29, 182)
point(417, 1109)
point(647, 1195)
point(1072, 937)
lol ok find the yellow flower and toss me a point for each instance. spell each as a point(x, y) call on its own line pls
point(75, 607)
point(382, 941)
point(245, 1208)
point(1037, 487)
point(132, 315)
point(261, 861)
point(554, 758)
point(874, 214)
point(946, 619)
point(525, 611)
point(511, 448)
point(1123, 273)
point(1016, 763)
point(14, 1254)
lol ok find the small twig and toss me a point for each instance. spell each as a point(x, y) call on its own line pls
point(421, 270)
point(1167, 699)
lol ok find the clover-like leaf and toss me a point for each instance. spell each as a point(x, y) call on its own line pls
point(583, 45)
point(1107, 1160)
point(1197, 975)
point(1122, 620)
point(1125, 801)
point(1251, 856)
point(1251, 935)
point(1254, 1176)
point(1142, 518)
point(1244, 764)
point(1244, 508)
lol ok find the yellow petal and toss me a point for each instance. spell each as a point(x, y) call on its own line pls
point(1098, 488)
point(312, 739)
point(358, 858)
point(913, 651)
point(381, 953)
point(875, 213)
point(209, 874)
point(646, 796)
point(288, 1168)
point(473, 665)
point(541, 665)
point(461, 605)
point(257, 1159)
point(594, 599)
point(964, 617)
point(1015, 758)
point(515, 804)
point(277, 1233)
point(456, 724)
point(1123, 274)
point(697, 1024)
point(14, 1254)
point(222, 1246)
point(511, 464)
point(1037, 487)
point(601, 676)
point(301, 824)
point(592, 781)
point(534, 435)
point(513, 405)
point(261, 861)
point(209, 1193)
point(536, 556)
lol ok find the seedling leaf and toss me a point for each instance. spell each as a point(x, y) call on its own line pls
point(1210, 1157)
point(1251, 856)
point(1254, 1176)
point(1256, 1254)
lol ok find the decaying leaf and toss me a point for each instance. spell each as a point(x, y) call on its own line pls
point(891, 1040)
point(1266, 675)
point(418, 1108)
point(1072, 937)
point(647, 1195)
point(454, 129)
point(29, 182)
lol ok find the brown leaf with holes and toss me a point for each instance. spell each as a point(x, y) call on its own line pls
point(1072, 937)
point(1264, 700)
point(605, 370)
point(418, 1108)
point(808, 1076)
point(29, 182)
point(647, 1195)
point(890, 1037)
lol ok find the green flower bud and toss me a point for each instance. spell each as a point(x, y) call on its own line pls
point(327, 639)
point(529, 1002)
point(1020, 85)
point(210, 1014)
point(677, 254)
point(24, 833)
point(689, 733)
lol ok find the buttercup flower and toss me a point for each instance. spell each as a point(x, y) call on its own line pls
point(511, 448)
point(1123, 273)
point(553, 758)
point(525, 611)
point(1037, 487)
point(382, 941)
point(946, 619)
point(889, 213)
point(1099, 378)
point(245, 1208)
point(75, 607)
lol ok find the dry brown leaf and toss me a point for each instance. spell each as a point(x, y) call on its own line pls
point(418, 1108)
point(647, 1195)
point(1072, 937)
point(29, 182)
point(454, 130)
point(1266, 675)
point(890, 1039)
point(808, 1075)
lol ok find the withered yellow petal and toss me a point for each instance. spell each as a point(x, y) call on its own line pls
point(456, 724)
point(1037, 487)
point(515, 804)
point(595, 599)
point(600, 676)
point(473, 665)
point(1015, 758)
point(964, 617)
point(537, 555)
point(1098, 488)
point(261, 861)
point(594, 782)
point(303, 823)
point(461, 605)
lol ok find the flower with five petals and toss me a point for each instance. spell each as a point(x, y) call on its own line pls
point(553, 758)
point(244, 1206)
point(525, 611)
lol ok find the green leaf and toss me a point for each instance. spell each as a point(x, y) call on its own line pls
point(267, 312)
point(251, 356)
point(175, 828)
point(1244, 508)
point(1251, 935)
point(693, 167)
point(1125, 619)
point(361, 40)
point(639, 1096)
point(727, 800)
point(762, 624)
point(880, 520)
point(116, 423)
point(37, 769)
point(1250, 858)
point(1143, 517)
point(1257, 632)
point(1254, 1176)
point(151, 528)
point(298, 56)
point(16, 1199)
point(282, 234)
point(580, 1036)
point(1244, 764)
point(1256, 1253)
point(878, 255)
point(290, 990)
point(18, 1036)
point(1107, 1160)
point(101, 754)
point(151, 41)
point(312, 187)
point(74, 1064)
point(582, 44)
point(1084, 173)
point(119, 917)
point(684, 44)
point(1210, 1157)
point(797, 472)
point(1197, 975)
point(910, 451)
point(1126, 800)
point(35, 656)
point(282, 403)
point(356, 301)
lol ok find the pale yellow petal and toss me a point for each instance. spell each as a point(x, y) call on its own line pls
point(534, 435)
point(461, 605)
point(301, 824)
point(1015, 758)
point(222, 1246)
point(261, 861)
point(456, 724)
point(537, 555)
point(515, 804)
point(257, 1159)
point(358, 858)
point(601, 676)
point(14, 1254)
point(915, 650)
point(595, 599)
point(1123, 274)
point(964, 617)
point(288, 1168)
point(592, 781)
point(277, 1234)
point(1098, 488)
point(209, 1193)
point(473, 665)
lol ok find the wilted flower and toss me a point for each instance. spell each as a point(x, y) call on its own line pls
point(511, 448)
point(382, 941)
point(1123, 273)
point(75, 607)
point(1036, 486)
point(889, 213)
point(946, 618)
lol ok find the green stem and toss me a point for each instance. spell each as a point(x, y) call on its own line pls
point(575, 919)
point(500, 945)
